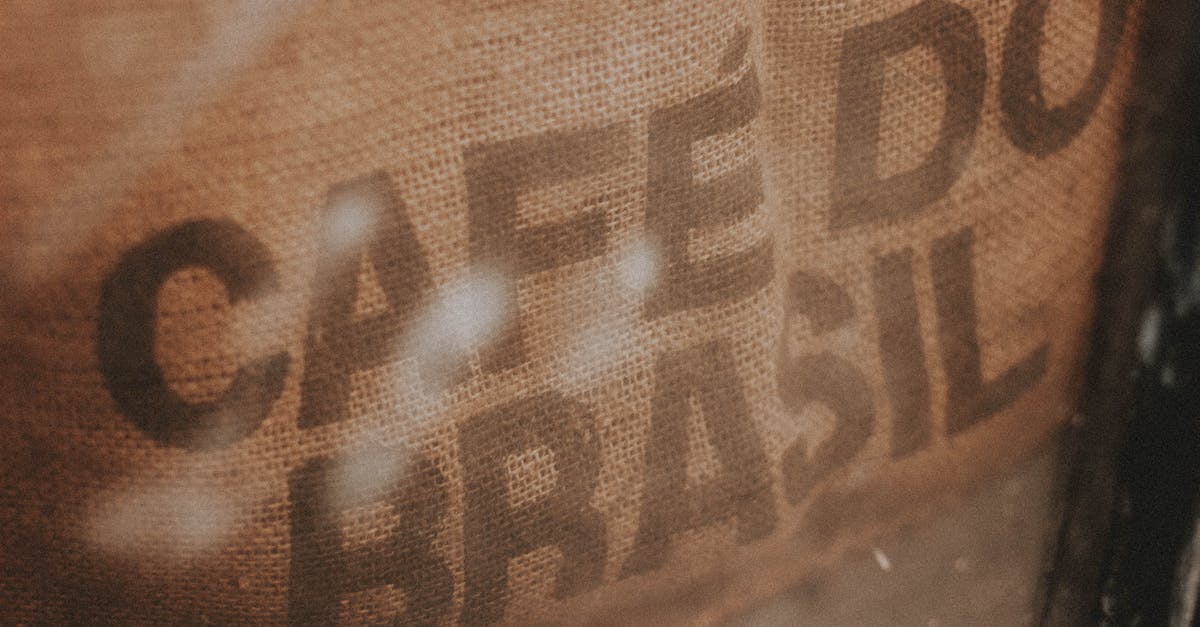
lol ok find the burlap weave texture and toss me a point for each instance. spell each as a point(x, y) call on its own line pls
point(519, 310)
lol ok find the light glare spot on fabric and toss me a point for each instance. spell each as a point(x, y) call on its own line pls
point(1148, 334)
point(171, 521)
point(364, 472)
point(460, 320)
point(639, 266)
point(881, 558)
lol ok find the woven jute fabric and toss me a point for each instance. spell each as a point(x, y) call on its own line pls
point(518, 310)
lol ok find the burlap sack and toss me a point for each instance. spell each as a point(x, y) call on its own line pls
point(526, 310)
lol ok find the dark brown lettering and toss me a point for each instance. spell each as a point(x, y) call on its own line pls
point(496, 175)
point(826, 379)
point(322, 570)
point(970, 398)
point(742, 491)
point(497, 530)
point(1031, 125)
point(859, 194)
point(339, 343)
point(901, 352)
point(125, 336)
point(676, 205)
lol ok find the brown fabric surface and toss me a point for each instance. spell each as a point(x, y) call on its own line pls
point(526, 310)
